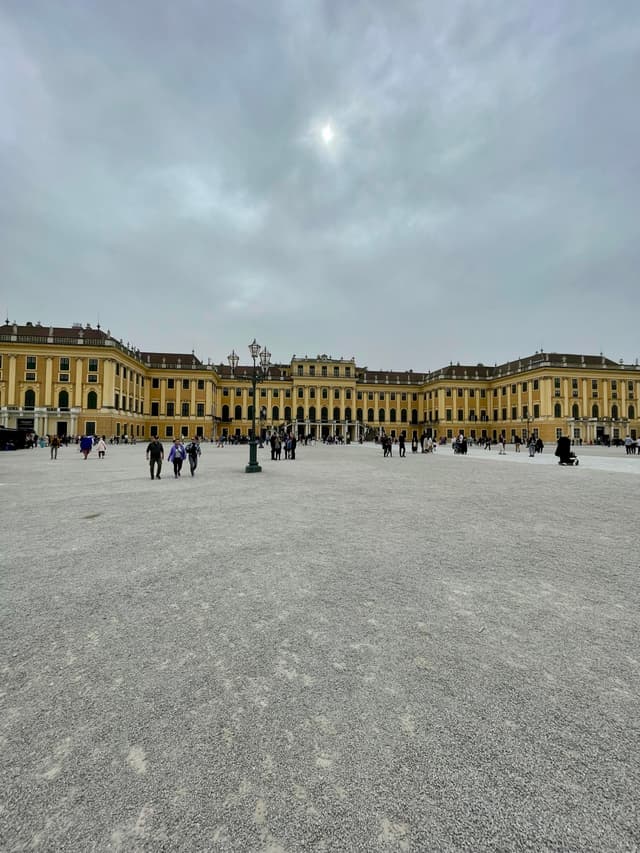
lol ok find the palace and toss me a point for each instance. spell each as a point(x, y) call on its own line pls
point(82, 380)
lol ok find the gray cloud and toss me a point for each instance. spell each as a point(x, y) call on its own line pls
point(479, 199)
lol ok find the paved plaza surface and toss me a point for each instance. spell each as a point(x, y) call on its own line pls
point(342, 653)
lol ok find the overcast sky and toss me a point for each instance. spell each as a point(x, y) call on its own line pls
point(409, 183)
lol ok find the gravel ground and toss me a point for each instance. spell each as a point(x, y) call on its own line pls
point(343, 653)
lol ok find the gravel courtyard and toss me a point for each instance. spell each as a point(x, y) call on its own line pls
point(343, 653)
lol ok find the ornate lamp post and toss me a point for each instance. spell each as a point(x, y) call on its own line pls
point(258, 374)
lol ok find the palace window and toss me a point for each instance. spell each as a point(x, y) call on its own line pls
point(347, 372)
point(93, 365)
point(185, 384)
point(200, 384)
point(185, 410)
point(155, 409)
point(171, 408)
point(64, 364)
point(323, 370)
point(448, 392)
point(155, 382)
point(312, 370)
point(300, 370)
point(200, 410)
point(336, 371)
point(171, 383)
point(31, 362)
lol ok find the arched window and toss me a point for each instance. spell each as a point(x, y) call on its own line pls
point(632, 412)
point(575, 411)
point(275, 413)
point(369, 415)
point(63, 400)
point(403, 416)
point(300, 413)
point(557, 411)
point(92, 400)
point(238, 413)
point(336, 413)
point(594, 411)
point(30, 399)
point(287, 413)
point(225, 413)
point(347, 414)
point(614, 412)
point(359, 414)
point(392, 416)
point(381, 415)
point(324, 414)
point(414, 416)
point(312, 413)
point(250, 411)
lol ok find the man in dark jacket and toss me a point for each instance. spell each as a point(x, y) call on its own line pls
point(155, 455)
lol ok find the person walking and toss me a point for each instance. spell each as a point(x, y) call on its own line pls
point(294, 444)
point(155, 455)
point(86, 445)
point(193, 451)
point(54, 444)
point(101, 447)
point(402, 450)
point(503, 445)
point(532, 446)
point(177, 455)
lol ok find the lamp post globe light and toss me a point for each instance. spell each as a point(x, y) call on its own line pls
point(261, 361)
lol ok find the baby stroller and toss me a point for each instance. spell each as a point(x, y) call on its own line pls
point(564, 453)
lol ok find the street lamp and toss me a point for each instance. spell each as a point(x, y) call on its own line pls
point(528, 420)
point(261, 361)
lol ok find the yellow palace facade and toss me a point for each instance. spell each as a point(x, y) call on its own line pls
point(82, 380)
